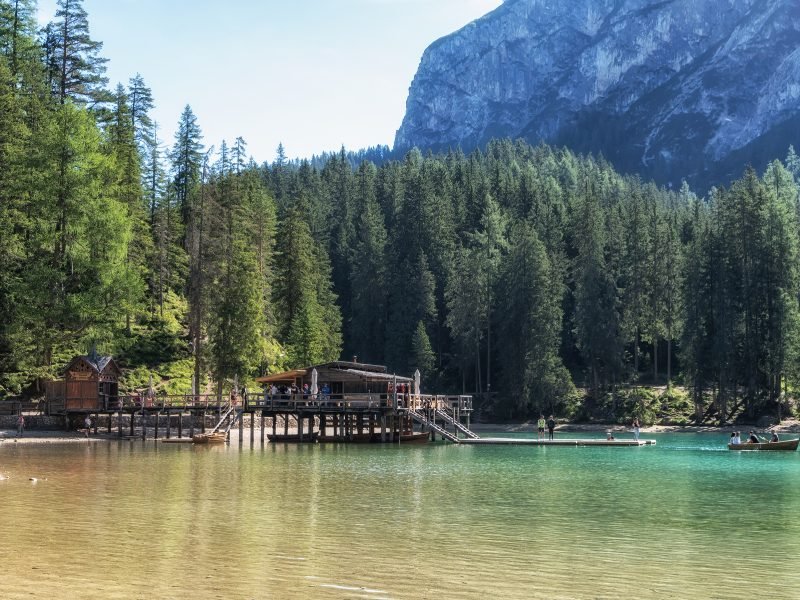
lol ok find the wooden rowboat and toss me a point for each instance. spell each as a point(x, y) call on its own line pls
point(218, 437)
point(789, 445)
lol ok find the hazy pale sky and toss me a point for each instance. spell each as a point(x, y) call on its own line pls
point(314, 74)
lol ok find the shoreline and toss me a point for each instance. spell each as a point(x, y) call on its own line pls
point(9, 437)
point(786, 426)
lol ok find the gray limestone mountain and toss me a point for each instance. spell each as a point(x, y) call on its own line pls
point(666, 88)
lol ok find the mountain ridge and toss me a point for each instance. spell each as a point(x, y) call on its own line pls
point(668, 89)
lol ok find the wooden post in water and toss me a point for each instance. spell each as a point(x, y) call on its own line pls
point(109, 415)
point(191, 423)
point(158, 414)
point(96, 418)
point(274, 424)
point(169, 423)
point(300, 426)
point(241, 427)
point(323, 422)
point(180, 423)
point(285, 424)
point(252, 428)
point(203, 422)
point(383, 429)
point(263, 424)
point(132, 415)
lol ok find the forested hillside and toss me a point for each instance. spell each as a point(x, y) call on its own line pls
point(519, 272)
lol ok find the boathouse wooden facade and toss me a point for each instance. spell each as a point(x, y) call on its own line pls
point(91, 382)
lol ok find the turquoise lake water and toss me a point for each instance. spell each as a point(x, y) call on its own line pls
point(684, 519)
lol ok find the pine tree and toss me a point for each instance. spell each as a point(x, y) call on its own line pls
point(186, 158)
point(18, 33)
point(77, 69)
point(422, 352)
point(368, 278)
point(530, 295)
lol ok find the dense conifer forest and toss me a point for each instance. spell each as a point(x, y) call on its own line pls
point(537, 279)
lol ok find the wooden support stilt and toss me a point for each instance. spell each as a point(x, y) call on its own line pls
point(169, 423)
point(285, 424)
point(300, 427)
point(157, 415)
point(263, 424)
point(144, 425)
point(119, 422)
point(96, 419)
point(191, 423)
point(274, 425)
point(252, 428)
point(132, 415)
point(109, 415)
point(383, 429)
point(241, 427)
point(203, 422)
point(323, 422)
point(180, 424)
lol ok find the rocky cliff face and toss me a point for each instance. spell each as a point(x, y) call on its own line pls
point(666, 88)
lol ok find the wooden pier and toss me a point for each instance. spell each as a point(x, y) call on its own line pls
point(344, 402)
point(556, 442)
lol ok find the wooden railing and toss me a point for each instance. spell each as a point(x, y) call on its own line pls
point(132, 403)
point(366, 401)
point(15, 405)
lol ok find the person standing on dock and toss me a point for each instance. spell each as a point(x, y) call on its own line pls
point(20, 424)
point(636, 429)
point(87, 425)
point(551, 425)
point(540, 427)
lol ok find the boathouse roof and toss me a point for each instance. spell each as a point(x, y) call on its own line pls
point(98, 364)
point(342, 369)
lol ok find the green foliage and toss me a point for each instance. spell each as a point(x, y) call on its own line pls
point(506, 272)
point(422, 352)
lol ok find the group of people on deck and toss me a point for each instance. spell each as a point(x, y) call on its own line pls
point(752, 438)
point(286, 391)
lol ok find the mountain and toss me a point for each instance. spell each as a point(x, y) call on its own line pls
point(665, 88)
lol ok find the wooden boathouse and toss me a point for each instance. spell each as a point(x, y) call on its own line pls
point(354, 402)
point(346, 402)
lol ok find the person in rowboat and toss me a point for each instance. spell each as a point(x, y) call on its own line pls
point(753, 438)
point(774, 437)
point(733, 438)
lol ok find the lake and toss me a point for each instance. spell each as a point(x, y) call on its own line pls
point(684, 519)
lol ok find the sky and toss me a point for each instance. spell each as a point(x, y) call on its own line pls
point(312, 74)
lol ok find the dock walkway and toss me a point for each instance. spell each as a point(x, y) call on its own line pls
point(558, 442)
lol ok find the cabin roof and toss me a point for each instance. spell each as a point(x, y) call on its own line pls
point(97, 363)
point(354, 370)
point(282, 377)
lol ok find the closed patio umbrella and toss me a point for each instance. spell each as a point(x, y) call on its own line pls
point(314, 386)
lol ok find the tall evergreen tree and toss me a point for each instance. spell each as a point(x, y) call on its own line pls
point(77, 69)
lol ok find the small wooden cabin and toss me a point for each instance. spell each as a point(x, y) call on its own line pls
point(343, 378)
point(90, 382)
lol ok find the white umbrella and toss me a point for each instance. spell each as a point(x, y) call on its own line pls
point(416, 382)
point(314, 387)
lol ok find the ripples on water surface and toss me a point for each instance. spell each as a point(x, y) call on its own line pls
point(681, 520)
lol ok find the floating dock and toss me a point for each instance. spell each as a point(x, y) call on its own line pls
point(559, 442)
